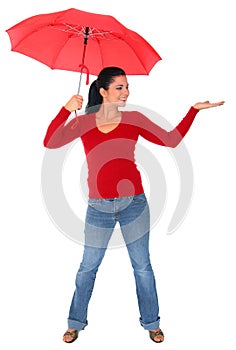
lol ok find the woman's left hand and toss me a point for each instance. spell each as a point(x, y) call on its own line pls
point(207, 104)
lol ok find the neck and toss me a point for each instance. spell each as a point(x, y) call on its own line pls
point(108, 112)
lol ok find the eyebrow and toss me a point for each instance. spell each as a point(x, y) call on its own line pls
point(122, 85)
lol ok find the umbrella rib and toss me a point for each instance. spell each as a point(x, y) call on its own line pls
point(70, 29)
point(136, 56)
point(56, 56)
point(100, 51)
point(140, 61)
point(93, 32)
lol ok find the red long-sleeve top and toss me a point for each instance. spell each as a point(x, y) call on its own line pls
point(112, 171)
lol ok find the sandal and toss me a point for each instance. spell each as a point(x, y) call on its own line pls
point(73, 334)
point(158, 333)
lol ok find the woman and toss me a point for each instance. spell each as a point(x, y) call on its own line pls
point(115, 188)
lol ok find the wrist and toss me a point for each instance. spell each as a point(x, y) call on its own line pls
point(67, 108)
point(196, 106)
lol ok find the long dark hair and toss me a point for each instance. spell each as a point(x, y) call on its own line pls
point(104, 79)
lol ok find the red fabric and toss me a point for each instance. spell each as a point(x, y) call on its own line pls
point(57, 40)
point(112, 171)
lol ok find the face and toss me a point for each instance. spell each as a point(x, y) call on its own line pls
point(118, 91)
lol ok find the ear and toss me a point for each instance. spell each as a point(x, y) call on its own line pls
point(103, 92)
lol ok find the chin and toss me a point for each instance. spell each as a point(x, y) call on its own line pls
point(121, 104)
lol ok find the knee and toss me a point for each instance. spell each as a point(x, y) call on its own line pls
point(91, 261)
point(142, 267)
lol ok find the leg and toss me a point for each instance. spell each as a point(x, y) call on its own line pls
point(146, 287)
point(145, 283)
point(85, 279)
point(135, 224)
point(99, 225)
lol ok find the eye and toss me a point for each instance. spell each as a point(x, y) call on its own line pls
point(119, 88)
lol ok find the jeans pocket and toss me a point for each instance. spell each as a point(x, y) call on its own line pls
point(94, 203)
point(139, 199)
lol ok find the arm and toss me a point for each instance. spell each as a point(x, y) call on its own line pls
point(156, 134)
point(58, 134)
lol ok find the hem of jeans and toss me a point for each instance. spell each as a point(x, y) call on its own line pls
point(150, 326)
point(77, 325)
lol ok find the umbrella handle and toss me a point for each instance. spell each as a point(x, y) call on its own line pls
point(87, 73)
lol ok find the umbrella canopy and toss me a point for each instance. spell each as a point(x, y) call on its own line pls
point(60, 40)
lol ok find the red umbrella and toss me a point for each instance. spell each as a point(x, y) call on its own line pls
point(76, 40)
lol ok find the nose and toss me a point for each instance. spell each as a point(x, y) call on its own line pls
point(126, 91)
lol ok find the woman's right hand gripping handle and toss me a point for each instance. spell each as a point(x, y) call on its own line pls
point(74, 103)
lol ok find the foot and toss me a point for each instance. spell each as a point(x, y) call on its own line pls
point(70, 336)
point(157, 335)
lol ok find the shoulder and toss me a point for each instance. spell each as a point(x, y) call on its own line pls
point(85, 119)
point(87, 122)
point(135, 118)
point(132, 115)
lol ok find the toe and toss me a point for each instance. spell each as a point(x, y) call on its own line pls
point(157, 336)
point(69, 336)
point(158, 339)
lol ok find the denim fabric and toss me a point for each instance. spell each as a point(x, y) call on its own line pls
point(132, 213)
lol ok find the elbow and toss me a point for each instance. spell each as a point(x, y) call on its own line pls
point(53, 143)
point(45, 144)
point(49, 144)
point(174, 140)
point(171, 143)
point(174, 144)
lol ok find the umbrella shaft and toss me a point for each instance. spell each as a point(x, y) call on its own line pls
point(80, 79)
point(83, 57)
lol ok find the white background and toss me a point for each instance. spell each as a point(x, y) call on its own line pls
point(194, 267)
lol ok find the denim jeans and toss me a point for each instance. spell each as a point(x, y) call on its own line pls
point(132, 214)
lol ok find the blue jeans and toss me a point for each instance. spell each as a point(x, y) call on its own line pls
point(132, 213)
